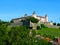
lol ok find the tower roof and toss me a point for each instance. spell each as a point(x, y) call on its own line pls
point(46, 15)
point(25, 15)
point(34, 12)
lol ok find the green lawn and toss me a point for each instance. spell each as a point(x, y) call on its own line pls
point(49, 31)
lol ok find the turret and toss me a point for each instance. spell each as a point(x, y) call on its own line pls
point(46, 18)
point(25, 15)
point(34, 14)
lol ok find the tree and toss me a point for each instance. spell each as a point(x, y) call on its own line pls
point(43, 26)
point(11, 21)
point(54, 23)
point(58, 24)
point(4, 23)
point(32, 19)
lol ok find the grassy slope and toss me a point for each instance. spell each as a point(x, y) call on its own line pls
point(49, 31)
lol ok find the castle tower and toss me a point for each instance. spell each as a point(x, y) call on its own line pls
point(46, 18)
point(25, 15)
point(34, 14)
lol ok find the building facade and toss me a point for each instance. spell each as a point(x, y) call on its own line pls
point(40, 18)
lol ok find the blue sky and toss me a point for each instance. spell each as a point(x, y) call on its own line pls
point(10, 9)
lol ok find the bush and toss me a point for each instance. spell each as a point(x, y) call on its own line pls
point(59, 27)
point(38, 27)
point(43, 26)
point(30, 27)
point(49, 43)
point(45, 35)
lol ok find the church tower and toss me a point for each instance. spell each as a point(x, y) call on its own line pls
point(46, 18)
point(34, 14)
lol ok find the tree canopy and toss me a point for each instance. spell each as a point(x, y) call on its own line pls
point(54, 23)
point(32, 19)
point(58, 24)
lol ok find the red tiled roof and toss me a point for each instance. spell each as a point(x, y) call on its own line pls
point(40, 16)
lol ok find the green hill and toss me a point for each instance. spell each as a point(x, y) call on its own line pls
point(49, 32)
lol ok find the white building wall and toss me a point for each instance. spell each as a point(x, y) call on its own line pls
point(42, 20)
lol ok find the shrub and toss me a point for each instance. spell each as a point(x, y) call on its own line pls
point(45, 35)
point(38, 27)
point(49, 43)
point(59, 27)
point(30, 27)
point(43, 26)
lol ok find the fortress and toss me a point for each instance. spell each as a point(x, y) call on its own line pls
point(22, 21)
point(40, 18)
